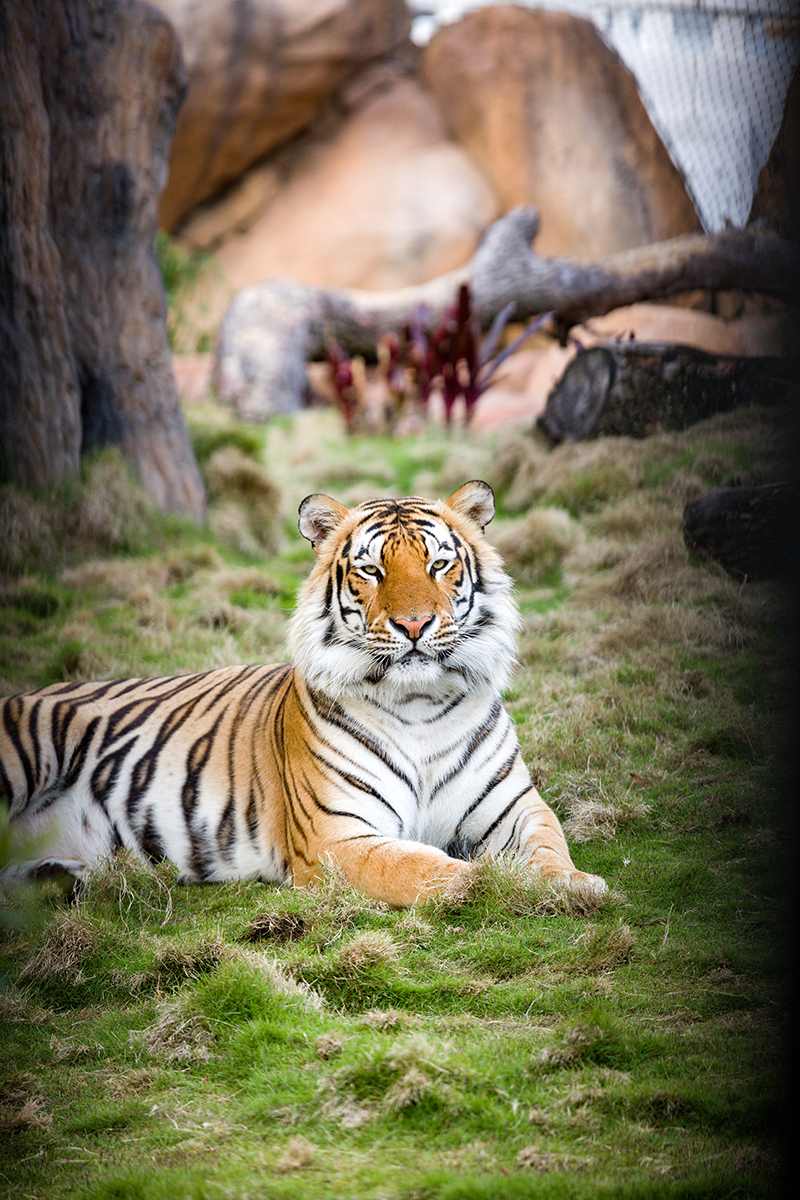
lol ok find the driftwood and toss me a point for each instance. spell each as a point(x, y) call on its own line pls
point(273, 329)
point(636, 389)
point(742, 528)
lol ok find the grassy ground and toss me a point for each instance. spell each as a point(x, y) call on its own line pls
point(242, 1041)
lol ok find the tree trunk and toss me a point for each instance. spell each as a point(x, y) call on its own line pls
point(89, 92)
point(272, 329)
point(40, 428)
point(635, 389)
point(742, 528)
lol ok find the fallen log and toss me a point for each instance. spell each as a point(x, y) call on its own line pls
point(635, 389)
point(741, 528)
point(271, 330)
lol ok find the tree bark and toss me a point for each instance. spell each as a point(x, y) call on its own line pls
point(635, 389)
point(40, 433)
point(272, 329)
point(741, 528)
point(89, 92)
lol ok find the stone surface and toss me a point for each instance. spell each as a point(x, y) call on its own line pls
point(89, 92)
point(382, 200)
point(554, 119)
point(259, 72)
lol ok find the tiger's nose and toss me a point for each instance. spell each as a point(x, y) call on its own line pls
point(414, 628)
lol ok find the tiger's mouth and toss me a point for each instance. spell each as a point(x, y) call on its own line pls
point(413, 659)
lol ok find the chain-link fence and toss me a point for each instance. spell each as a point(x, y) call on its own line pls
point(713, 75)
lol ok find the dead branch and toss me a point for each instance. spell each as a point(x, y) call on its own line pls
point(271, 330)
point(634, 389)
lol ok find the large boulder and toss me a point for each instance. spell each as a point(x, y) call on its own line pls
point(259, 72)
point(380, 200)
point(554, 119)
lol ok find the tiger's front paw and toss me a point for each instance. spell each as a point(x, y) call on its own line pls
point(587, 885)
point(578, 883)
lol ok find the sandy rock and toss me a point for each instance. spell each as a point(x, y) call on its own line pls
point(384, 201)
point(258, 73)
point(554, 119)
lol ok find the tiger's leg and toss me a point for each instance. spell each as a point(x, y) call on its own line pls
point(396, 871)
point(514, 819)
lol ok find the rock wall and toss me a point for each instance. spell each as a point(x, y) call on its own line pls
point(554, 119)
point(396, 166)
point(259, 72)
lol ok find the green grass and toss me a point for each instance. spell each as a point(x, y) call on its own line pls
point(243, 1041)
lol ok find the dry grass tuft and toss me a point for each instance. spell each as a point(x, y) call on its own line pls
point(654, 570)
point(395, 1079)
point(175, 963)
point(68, 941)
point(177, 1035)
point(244, 504)
point(589, 815)
point(21, 1111)
point(412, 1086)
point(277, 927)
point(299, 1153)
point(328, 1045)
point(379, 1018)
point(605, 947)
point(332, 900)
point(107, 510)
point(278, 978)
point(367, 950)
point(541, 1161)
point(536, 546)
point(344, 1109)
point(133, 886)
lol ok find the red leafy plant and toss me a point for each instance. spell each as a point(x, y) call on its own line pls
point(452, 357)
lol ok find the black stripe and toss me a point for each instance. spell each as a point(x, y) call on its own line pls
point(79, 757)
point(13, 712)
point(499, 776)
point(480, 734)
point(105, 775)
point(488, 832)
point(355, 782)
point(331, 713)
point(5, 785)
point(63, 714)
point(226, 829)
point(196, 760)
point(513, 835)
point(150, 840)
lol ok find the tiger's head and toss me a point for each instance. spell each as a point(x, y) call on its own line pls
point(404, 593)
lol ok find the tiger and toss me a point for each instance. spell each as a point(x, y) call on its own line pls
point(382, 750)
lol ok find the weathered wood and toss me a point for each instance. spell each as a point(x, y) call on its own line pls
point(635, 389)
point(272, 329)
point(89, 91)
point(741, 528)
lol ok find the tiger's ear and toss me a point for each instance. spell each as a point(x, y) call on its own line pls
point(474, 500)
point(318, 516)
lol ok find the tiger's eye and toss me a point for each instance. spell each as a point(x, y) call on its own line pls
point(370, 569)
point(439, 564)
